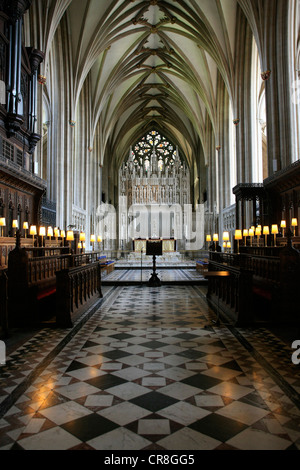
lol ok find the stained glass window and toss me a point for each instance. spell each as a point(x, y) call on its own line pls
point(165, 150)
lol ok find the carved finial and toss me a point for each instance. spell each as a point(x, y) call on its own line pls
point(289, 234)
point(18, 239)
point(266, 75)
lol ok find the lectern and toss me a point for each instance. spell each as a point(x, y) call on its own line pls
point(154, 248)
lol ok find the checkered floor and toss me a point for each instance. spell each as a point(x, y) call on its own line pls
point(149, 370)
point(165, 275)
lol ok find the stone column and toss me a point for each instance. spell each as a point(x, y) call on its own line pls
point(276, 73)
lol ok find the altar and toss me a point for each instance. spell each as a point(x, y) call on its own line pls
point(168, 245)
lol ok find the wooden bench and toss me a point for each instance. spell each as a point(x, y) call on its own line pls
point(273, 285)
point(35, 284)
point(230, 292)
point(75, 287)
point(32, 286)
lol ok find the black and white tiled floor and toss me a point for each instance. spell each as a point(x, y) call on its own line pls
point(165, 275)
point(150, 371)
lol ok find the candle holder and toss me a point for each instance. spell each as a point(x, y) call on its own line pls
point(274, 231)
point(15, 226)
point(2, 224)
point(93, 238)
point(33, 232)
point(283, 226)
point(215, 239)
point(56, 234)
point(42, 233)
point(238, 236)
point(208, 240)
point(251, 235)
point(50, 232)
point(25, 227)
point(294, 224)
point(266, 232)
point(258, 234)
point(225, 239)
point(70, 238)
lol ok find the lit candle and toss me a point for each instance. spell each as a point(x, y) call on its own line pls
point(42, 233)
point(50, 232)
point(215, 239)
point(2, 224)
point(225, 239)
point(70, 237)
point(258, 233)
point(93, 241)
point(238, 236)
point(283, 226)
point(15, 225)
point(251, 234)
point(32, 231)
point(25, 227)
point(226, 236)
point(266, 232)
point(274, 230)
point(294, 224)
point(208, 239)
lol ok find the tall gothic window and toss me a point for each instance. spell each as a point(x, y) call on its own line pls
point(154, 173)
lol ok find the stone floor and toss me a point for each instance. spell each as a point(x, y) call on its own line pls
point(149, 370)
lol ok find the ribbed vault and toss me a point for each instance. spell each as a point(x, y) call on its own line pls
point(147, 62)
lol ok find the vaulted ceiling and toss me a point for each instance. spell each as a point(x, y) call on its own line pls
point(150, 63)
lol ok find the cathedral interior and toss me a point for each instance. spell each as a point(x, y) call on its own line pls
point(149, 225)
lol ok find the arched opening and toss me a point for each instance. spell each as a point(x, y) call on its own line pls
point(154, 190)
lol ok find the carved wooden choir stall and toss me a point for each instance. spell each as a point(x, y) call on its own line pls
point(264, 271)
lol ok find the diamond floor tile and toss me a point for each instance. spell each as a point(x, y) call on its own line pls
point(149, 370)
